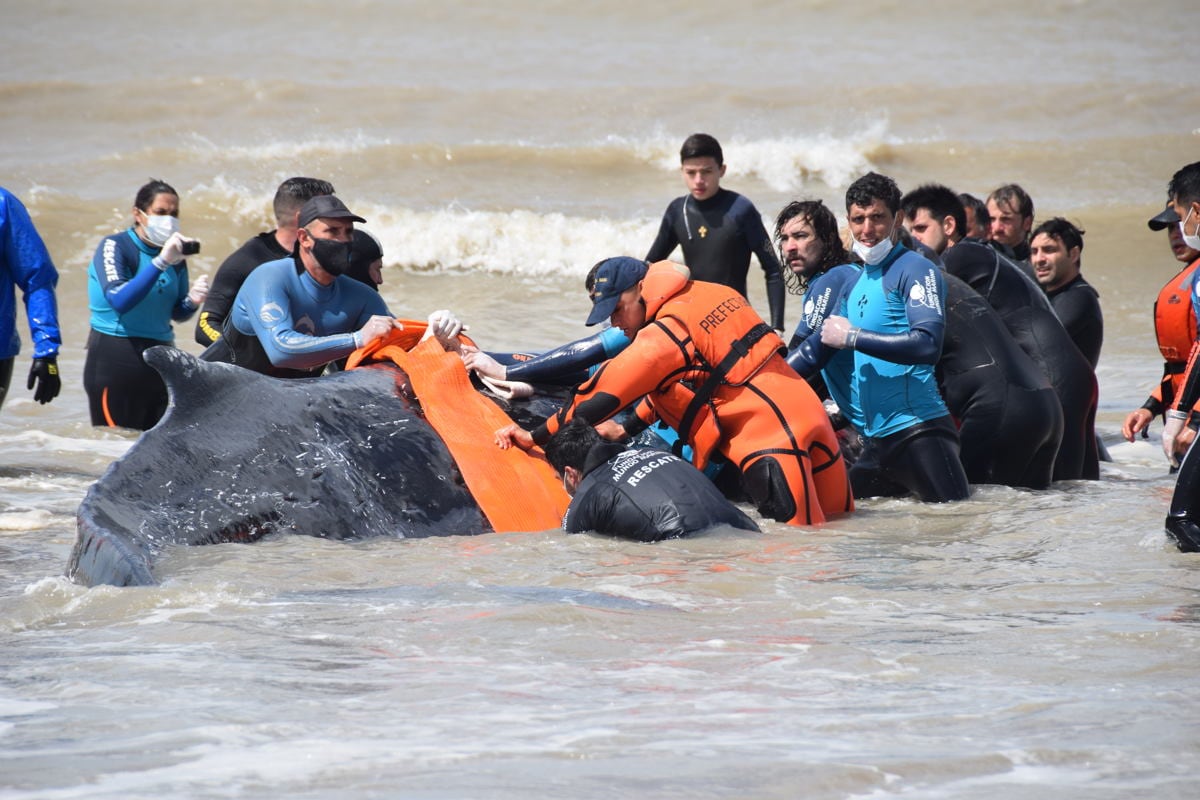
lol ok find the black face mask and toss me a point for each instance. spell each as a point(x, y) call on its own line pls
point(334, 257)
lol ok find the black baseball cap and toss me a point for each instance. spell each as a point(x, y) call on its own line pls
point(1164, 218)
point(325, 206)
point(614, 276)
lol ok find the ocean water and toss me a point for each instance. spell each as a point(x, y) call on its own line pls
point(1032, 643)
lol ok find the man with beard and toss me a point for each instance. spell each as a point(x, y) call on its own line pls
point(295, 315)
point(1011, 210)
point(1055, 251)
point(934, 216)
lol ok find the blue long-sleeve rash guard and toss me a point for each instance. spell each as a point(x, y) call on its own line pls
point(897, 306)
point(806, 354)
point(25, 262)
point(300, 323)
point(566, 365)
point(129, 296)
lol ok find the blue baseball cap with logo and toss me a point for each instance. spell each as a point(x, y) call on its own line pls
point(614, 276)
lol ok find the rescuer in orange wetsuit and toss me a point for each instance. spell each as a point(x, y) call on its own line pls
point(705, 363)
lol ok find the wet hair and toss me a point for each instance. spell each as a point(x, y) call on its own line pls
point(825, 227)
point(569, 447)
point(1184, 187)
point(152, 189)
point(1013, 196)
point(983, 217)
point(872, 187)
point(940, 202)
point(293, 193)
point(590, 281)
point(1059, 228)
point(701, 145)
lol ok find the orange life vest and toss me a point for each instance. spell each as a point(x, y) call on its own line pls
point(719, 320)
point(1174, 318)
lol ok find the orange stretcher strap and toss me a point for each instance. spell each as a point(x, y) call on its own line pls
point(517, 491)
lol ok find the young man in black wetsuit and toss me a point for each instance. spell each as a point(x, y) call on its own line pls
point(1055, 249)
point(290, 197)
point(1011, 210)
point(640, 494)
point(717, 229)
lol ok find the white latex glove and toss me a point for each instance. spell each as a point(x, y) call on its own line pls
point(1171, 429)
point(377, 327)
point(484, 365)
point(199, 291)
point(444, 325)
point(172, 251)
point(837, 332)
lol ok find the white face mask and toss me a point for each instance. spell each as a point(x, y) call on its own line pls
point(159, 227)
point(1193, 240)
point(877, 252)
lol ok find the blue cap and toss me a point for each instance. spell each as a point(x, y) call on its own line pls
point(614, 276)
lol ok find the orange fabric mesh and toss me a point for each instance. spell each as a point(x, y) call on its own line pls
point(517, 491)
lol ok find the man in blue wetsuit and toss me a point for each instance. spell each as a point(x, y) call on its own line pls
point(634, 493)
point(893, 321)
point(717, 229)
point(25, 262)
point(295, 315)
point(811, 248)
point(273, 245)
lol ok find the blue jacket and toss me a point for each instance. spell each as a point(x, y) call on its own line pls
point(300, 323)
point(129, 296)
point(25, 262)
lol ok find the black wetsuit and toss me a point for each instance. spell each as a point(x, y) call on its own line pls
point(647, 495)
point(1029, 317)
point(1010, 421)
point(229, 279)
point(1078, 307)
point(717, 236)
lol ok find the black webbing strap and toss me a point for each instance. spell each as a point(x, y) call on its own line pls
point(737, 351)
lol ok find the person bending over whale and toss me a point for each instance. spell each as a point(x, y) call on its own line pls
point(705, 363)
point(934, 215)
point(892, 322)
point(272, 245)
point(640, 494)
point(295, 315)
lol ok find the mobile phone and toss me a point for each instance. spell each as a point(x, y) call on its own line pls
point(189, 248)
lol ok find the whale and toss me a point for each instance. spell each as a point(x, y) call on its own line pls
point(239, 456)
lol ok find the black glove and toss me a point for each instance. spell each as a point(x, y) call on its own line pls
point(44, 372)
